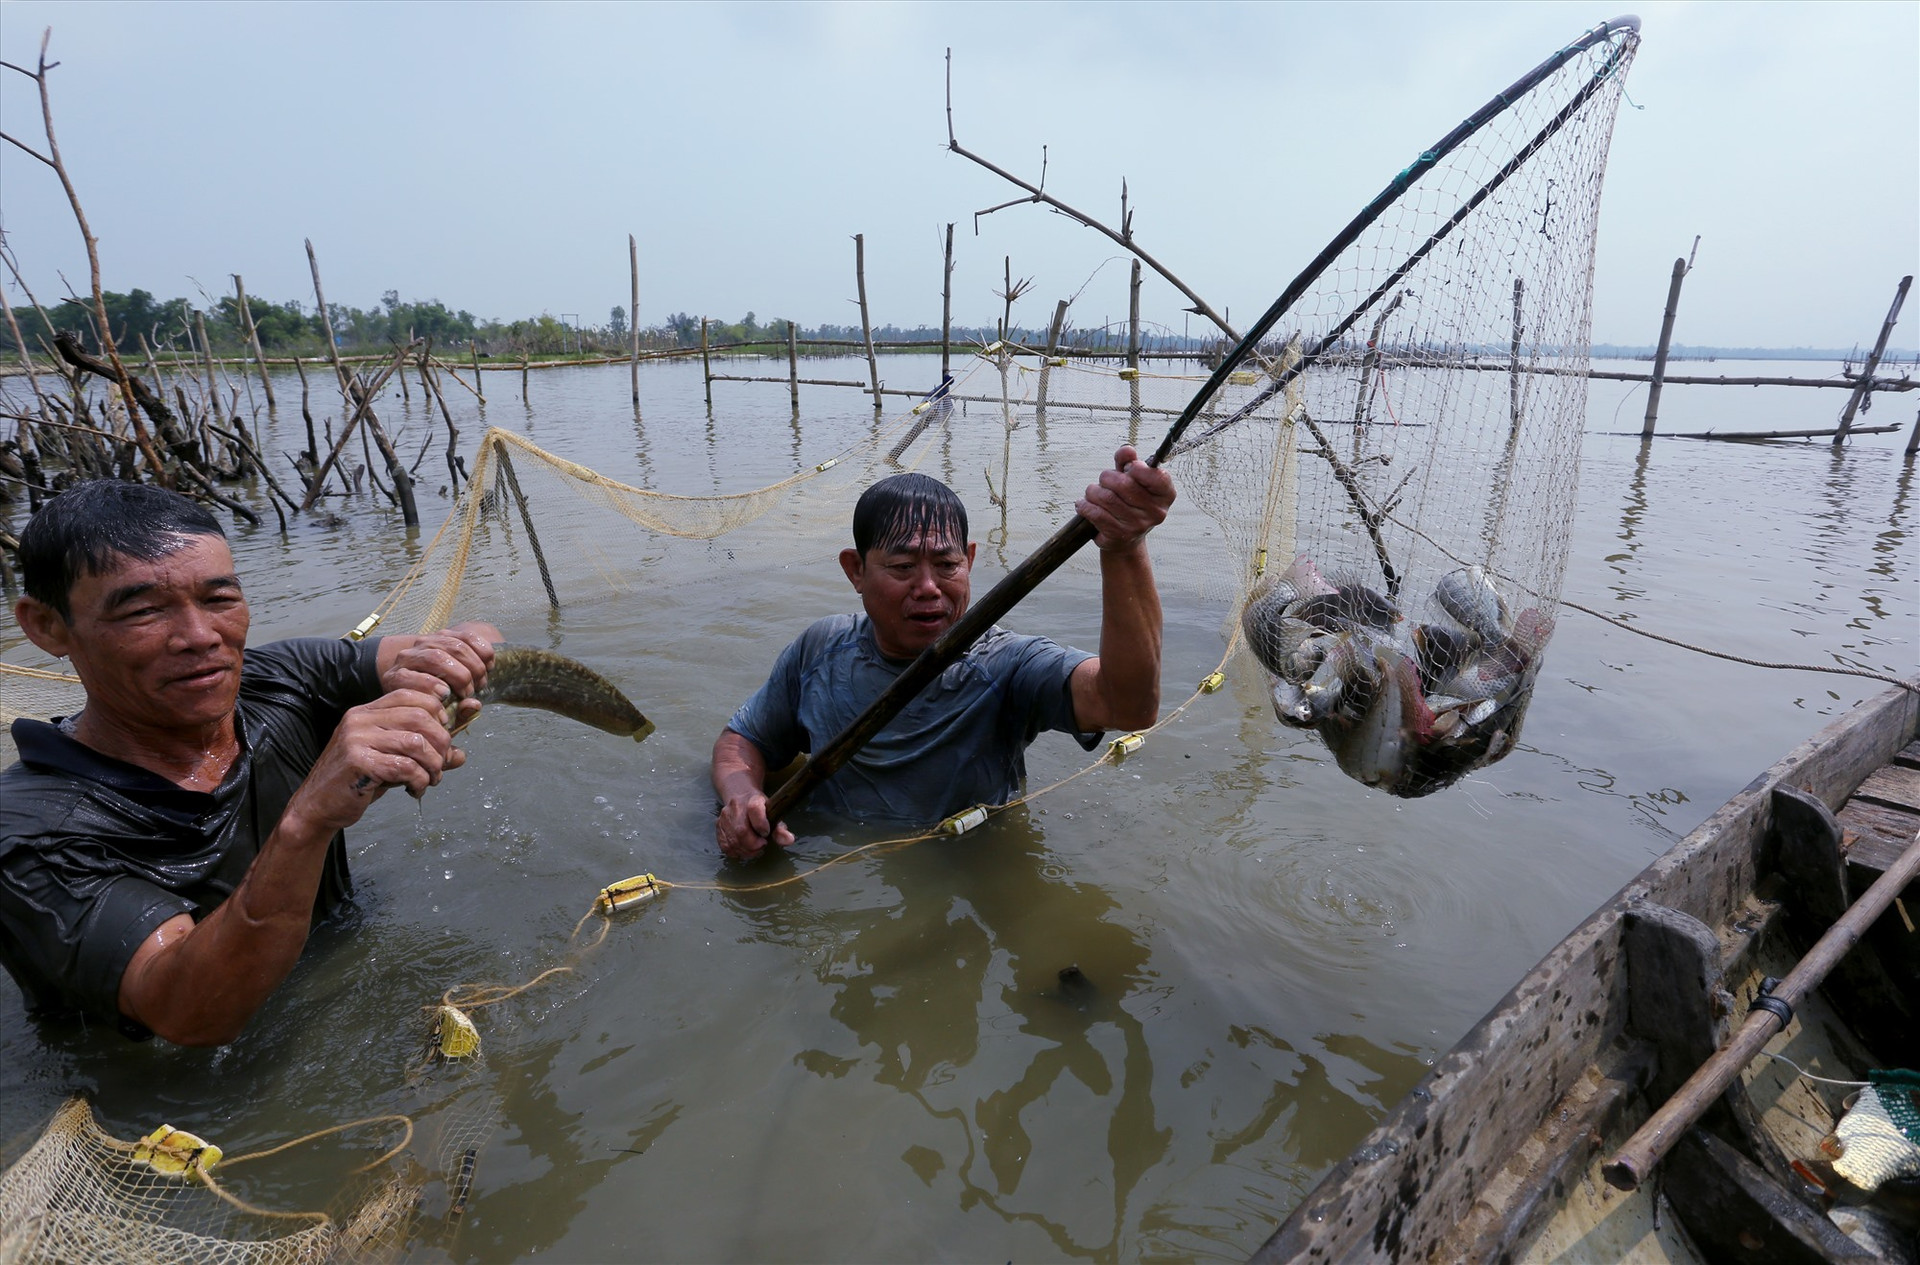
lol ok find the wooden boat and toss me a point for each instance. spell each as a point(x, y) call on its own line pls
point(1497, 1155)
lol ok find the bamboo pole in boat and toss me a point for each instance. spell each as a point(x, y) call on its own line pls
point(1658, 1135)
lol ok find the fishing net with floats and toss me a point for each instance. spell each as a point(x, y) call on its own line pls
point(1390, 456)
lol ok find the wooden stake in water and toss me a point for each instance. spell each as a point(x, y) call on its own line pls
point(866, 326)
point(793, 367)
point(946, 310)
point(706, 362)
point(1046, 362)
point(1680, 269)
point(1873, 362)
point(633, 318)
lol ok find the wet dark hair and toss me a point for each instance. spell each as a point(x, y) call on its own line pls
point(82, 530)
point(903, 507)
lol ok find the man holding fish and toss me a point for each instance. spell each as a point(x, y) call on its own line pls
point(962, 742)
point(164, 854)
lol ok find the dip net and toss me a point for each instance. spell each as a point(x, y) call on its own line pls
point(1396, 479)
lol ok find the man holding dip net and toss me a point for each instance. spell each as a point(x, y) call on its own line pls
point(962, 742)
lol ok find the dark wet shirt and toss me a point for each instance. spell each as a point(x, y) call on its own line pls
point(96, 853)
point(962, 741)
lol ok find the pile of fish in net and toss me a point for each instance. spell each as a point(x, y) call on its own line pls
point(1407, 705)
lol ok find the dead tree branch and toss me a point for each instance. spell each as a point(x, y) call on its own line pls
point(1037, 193)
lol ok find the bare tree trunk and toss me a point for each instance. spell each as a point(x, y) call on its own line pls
point(52, 159)
point(253, 337)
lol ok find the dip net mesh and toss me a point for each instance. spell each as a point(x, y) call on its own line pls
point(1396, 482)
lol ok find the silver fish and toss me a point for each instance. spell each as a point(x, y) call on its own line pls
point(1262, 621)
point(1468, 596)
point(1290, 704)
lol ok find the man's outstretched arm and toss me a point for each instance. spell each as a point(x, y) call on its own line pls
point(1121, 688)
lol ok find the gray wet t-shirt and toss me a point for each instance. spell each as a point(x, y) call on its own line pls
point(961, 742)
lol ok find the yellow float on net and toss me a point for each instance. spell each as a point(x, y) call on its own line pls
point(627, 893)
point(960, 823)
point(1125, 744)
point(175, 1152)
point(456, 1037)
point(1212, 682)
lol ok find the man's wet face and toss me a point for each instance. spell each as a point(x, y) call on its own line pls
point(913, 591)
point(159, 642)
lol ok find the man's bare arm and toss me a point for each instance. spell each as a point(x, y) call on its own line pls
point(1121, 688)
point(199, 984)
point(740, 780)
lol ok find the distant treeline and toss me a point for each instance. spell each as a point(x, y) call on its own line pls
point(294, 328)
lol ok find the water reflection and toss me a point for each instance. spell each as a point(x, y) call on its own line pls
point(985, 956)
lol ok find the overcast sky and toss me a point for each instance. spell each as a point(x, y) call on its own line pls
point(496, 156)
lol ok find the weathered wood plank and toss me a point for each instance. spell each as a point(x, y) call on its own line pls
point(1908, 756)
point(1879, 833)
point(1894, 785)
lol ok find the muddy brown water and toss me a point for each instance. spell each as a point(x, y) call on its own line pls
point(885, 1062)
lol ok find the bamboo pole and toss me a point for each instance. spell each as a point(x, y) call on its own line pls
point(633, 317)
point(946, 310)
point(479, 392)
point(523, 379)
point(866, 326)
point(1913, 438)
point(253, 337)
point(793, 367)
point(1859, 397)
point(1660, 353)
point(706, 362)
point(1657, 1136)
